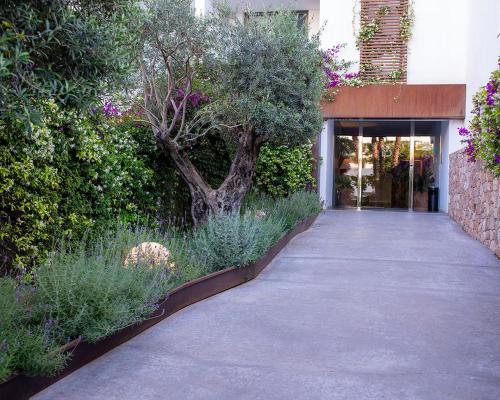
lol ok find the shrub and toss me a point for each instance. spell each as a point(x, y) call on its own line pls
point(483, 139)
point(232, 241)
point(69, 51)
point(25, 345)
point(289, 210)
point(71, 173)
point(90, 292)
point(236, 240)
point(282, 170)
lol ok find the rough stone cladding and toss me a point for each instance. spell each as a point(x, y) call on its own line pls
point(475, 200)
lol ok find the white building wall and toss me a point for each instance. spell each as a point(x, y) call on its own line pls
point(483, 44)
point(326, 164)
point(336, 18)
point(436, 50)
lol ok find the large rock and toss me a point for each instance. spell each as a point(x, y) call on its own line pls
point(149, 253)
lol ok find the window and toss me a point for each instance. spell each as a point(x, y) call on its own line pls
point(302, 16)
point(383, 50)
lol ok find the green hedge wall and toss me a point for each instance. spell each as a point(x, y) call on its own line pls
point(69, 174)
point(282, 170)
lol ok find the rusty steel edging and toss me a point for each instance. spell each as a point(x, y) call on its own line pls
point(21, 387)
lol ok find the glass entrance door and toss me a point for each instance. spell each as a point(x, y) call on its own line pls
point(385, 177)
point(385, 164)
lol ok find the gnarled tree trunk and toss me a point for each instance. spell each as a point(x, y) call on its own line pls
point(227, 198)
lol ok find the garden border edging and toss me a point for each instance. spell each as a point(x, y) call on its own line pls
point(20, 387)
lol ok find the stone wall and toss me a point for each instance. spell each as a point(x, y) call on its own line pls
point(475, 200)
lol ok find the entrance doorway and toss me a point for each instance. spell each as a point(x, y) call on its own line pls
point(385, 164)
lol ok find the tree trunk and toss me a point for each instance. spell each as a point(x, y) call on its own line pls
point(203, 197)
point(227, 198)
point(241, 174)
point(397, 150)
point(375, 151)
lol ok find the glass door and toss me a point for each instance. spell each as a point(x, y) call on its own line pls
point(425, 163)
point(385, 164)
point(346, 170)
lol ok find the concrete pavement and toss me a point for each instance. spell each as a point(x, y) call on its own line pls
point(364, 305)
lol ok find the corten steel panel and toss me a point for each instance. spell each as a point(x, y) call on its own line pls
point(445, 101)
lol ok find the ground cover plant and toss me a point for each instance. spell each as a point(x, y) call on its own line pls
point(84, 292)
point(90, 292)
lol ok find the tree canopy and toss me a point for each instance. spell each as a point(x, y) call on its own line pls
point(260, 79)
point(67, 50)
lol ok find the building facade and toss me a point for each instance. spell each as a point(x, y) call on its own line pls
point(388, 144)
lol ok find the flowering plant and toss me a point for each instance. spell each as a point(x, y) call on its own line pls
point(337, 71)
point(483, 138)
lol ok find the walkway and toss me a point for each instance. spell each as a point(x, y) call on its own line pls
point(365, 305)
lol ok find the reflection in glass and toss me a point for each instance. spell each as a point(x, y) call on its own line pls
point(346, 170)
point(385, 172)
point(424, 171)
point(374, 159)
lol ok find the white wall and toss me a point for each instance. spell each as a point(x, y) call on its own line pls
point(436, 50)
point(336, 18)
point(202, 6)
point(326, 164)
point(483, 45)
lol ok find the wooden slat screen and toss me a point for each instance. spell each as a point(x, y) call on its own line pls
point(384, 56)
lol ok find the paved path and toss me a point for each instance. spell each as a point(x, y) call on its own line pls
point(365, 305)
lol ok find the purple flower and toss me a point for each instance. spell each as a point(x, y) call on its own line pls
point(491, 90)
point(463, 131)
point(110, 110)
point(496, 158)
point(351, 75)
point(470, 150)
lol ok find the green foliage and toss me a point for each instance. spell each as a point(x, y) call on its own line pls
point(237, 240)
point(26, 346)
point(90, 292)
point(282, 170)
point(232, 241)
point(290, 210)
point(70, 173)
point(268, 78)
point(485, 124)
point(369, 28)
point(69, 51)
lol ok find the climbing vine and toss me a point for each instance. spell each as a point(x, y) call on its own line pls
point(406, 23)
point(369, 28)
point(482, 139)
point(365, 30)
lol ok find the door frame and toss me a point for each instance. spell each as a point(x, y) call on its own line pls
point(360, 159)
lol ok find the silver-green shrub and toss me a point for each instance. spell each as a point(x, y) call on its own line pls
point(89, 291)
point(232, 241)
point(26, 345)
point(289, 210)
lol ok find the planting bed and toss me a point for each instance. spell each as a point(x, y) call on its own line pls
point(19, 387)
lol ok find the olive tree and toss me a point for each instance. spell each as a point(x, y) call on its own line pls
point(67, 50)
point(263, 78)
